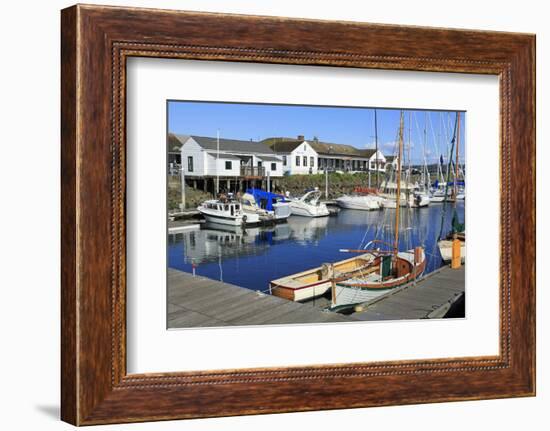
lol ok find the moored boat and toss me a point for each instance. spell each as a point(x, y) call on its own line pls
point(390, 268)
point(309, 205)
point(227, 212)
point(446, 250)
point(315, 282)
point(274, 203)
point(250, 206)
point(385, 273)
point(358, 202)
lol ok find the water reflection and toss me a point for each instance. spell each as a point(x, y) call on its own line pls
point(254, 256)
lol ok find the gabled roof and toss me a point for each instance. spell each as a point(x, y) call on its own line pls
point(224, 156)
point(282, 145)
point(367, 152)
point(175, 142)
point(287, 145)
point(270, 158)
point(329, 148)
point(228, 145)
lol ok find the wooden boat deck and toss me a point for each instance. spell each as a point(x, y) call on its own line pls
point(203, 302)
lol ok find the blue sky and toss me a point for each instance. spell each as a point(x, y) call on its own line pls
point(353, 126)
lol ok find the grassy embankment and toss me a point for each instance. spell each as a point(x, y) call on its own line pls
point(339, 184)
point(193, 197)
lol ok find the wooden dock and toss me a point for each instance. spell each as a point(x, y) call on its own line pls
point(195, 301)
point(202, 302)
point(430, 297)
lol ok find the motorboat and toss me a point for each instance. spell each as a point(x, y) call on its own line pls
point(250, 206)
point(273, 203)
point(359, 202)
point(309, 205)
point(227, 212)
point(420, 199)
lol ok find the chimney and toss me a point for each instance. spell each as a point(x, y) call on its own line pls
point(300, 137)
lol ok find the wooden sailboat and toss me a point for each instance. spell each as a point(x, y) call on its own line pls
point(315, 282)
point(390, 268)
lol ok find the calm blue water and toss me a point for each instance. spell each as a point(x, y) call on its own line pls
point(253, 257)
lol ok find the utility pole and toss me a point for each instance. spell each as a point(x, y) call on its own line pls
point(326, 173)
point(182, 188)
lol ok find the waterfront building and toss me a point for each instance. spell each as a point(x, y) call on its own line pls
point(234, 164)
point(319, 156)
point(298, 156)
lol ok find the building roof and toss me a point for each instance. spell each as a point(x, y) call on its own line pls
point(231, 145)
point(270, 158)
point(224, 156)
point(329, 148)
point(367, 152)
point(175, 142)
point(287, 145)
point(282, 145)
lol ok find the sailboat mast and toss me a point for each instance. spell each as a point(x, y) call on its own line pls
point(456, 158)
point(398, 194)
point(376, 148)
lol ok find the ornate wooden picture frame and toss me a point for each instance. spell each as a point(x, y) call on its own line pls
point(96, 42)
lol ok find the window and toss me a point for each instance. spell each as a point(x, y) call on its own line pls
point(305, 160)
point(284, 160)
point(273, 166)
point(228, 165)
point(297, 160)
point(311, 162)
point(190, 164)
point(259, 164)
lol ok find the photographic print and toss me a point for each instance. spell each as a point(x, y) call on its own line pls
point(295, 214)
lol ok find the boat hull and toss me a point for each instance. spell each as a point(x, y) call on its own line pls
point(446, 250)
point(364, 288)
point(362, 203)
point(238, 220)
point(297, 208)
point(282, 211)
point(316, 282)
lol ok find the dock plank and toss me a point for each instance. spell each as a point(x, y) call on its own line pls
point(196, 301)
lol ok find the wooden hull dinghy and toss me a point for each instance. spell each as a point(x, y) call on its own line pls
point(317, 281)
point(387, 272)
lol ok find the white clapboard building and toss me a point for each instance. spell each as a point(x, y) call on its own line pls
point(298, 155)
point(301, 156)
point(203, 156)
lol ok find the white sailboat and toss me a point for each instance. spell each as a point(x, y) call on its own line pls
point(390, 268)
